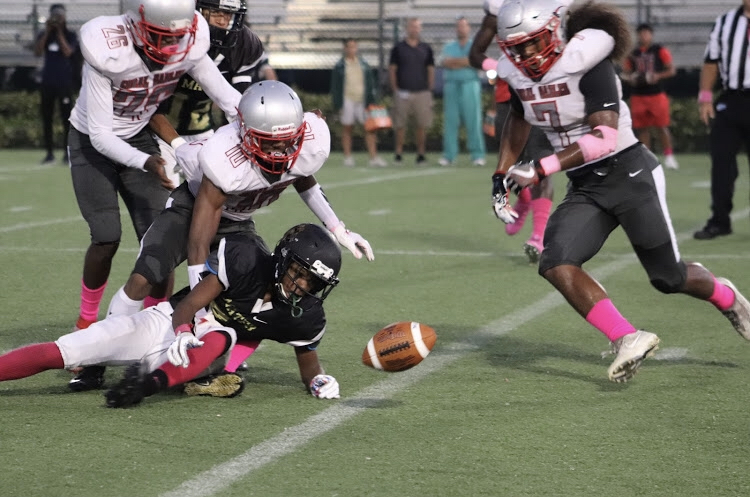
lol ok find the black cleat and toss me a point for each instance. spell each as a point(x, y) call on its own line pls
point(129, 391)
point(90, 378)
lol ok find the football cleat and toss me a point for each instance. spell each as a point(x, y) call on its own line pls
point(631, 350)
point(225, 385)
point(670, 162)
point(533, 249)
point(739, 313)
point(129, 391)
point(89, 378)
point(82, 324)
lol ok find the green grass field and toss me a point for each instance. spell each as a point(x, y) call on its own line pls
point(513, 401)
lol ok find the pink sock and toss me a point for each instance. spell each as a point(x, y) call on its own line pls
point(607, 319)
point(90, 300)
point(214, 345)
point(541, 207)
point(30, 360)
point(240, 353)
point(522, 208)
point(723, 296)
point(667, 151)
point(152, 301)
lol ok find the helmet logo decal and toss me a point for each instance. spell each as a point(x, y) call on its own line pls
point(322, 270)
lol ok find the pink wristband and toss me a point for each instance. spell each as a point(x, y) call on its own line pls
point(183, 328)
point(489, 63)
point(705, 97)
point(550, 164)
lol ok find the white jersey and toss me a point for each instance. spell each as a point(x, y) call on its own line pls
point(120, 93)
point(222, 161)
point(555, 104)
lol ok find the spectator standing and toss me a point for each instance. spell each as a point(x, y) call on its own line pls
point(58, 44)
point(644, 70)
point(462, 100)
point(411, 72)
point(352, 90)
point(725, 57)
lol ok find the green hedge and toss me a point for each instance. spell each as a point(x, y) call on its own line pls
point(20, 126)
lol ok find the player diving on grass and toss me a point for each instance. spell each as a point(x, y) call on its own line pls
point(244, 293)
point(244, 166)
point(559, 64)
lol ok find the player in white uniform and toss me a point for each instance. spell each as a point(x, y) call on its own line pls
point(564, 81)
point(250, 292)
point(132, 63)
point(244, 166)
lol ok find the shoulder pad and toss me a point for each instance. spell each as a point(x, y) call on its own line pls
point(585, 50)
point(105, 53)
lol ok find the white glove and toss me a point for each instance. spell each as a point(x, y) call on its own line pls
point(354, 242)
point(522, 174)
point(503, 210)
point(177, 352)
point(324, 386)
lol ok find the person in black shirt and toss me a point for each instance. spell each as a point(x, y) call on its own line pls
point(726, 57)
point(245, 294)
point(58, 44)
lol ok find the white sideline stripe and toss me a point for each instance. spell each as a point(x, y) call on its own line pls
point(225, 474)
point(49, 222)
point(331, 186)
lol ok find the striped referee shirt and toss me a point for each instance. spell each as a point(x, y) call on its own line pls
point(728, 46)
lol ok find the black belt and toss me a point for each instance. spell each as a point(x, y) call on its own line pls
point(604, 164)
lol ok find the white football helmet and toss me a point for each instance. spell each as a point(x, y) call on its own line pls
point(272, 125)
point(531, 33)
point(164, 29)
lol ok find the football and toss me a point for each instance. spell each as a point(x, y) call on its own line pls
point(399, 346)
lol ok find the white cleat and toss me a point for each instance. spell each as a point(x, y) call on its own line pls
point(670, 162)
point(739, 313)
point(631, 350)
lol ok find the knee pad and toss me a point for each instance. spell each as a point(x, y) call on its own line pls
point(669, 283)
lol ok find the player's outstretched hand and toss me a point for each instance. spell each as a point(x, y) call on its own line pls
point(354, 242)
point(324, 386)
point(155, 164)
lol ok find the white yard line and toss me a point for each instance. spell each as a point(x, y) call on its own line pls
point(225, 474)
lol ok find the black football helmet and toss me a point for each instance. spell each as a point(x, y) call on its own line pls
point(224, 37)
point(315, 250)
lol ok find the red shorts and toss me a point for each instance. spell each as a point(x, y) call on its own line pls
point(650, 110)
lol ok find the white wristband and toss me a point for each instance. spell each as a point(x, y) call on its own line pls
point(177, 142)
point(194, 274)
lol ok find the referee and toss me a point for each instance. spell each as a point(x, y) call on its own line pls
point(726, 57)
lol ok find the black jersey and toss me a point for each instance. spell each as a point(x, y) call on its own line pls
point(246, 271)
point(189, 109)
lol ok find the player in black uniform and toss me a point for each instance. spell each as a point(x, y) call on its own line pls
point(256, 296)
point(239, 55)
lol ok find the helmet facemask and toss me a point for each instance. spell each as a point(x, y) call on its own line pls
point(162, 44)
point(224, 36)
point(533, 52)
point(275, 152)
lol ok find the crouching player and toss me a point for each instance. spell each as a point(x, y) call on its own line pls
point(263, 296)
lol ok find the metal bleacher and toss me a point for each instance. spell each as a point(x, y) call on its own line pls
point(308, 33)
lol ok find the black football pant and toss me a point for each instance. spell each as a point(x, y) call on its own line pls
point(50, 96)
